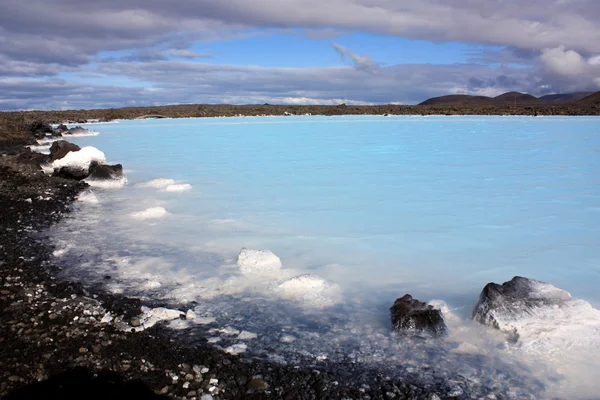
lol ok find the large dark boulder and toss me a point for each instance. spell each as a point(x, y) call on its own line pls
point(41, 129)
point(61, 148)
point(521, 301)
point(411, 316)
point(105, 172)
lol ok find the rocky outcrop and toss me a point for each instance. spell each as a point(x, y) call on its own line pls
point(76, 164)
point(78, 130)
point(62, 128)
point(411, 316)
point(61, 148)
point(103, 171)
point(522, 305)
point(41, 129)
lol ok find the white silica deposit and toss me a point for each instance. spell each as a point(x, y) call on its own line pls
point(181, 187)
point(159, 183)
point(80, 159)
point(88, 196)
point(258, 262)
point(107, 183)
point(150, 213)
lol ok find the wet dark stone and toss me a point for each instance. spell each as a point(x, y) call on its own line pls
point(103, 172)
point(413, 316)
point(513, 298)
point(61, 128)
point(70, 172)
point(61, 148)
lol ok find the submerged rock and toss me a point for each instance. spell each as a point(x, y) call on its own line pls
point(413, 316)
point(61, 148)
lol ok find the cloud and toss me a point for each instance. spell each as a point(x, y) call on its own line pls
point(180, 81)
point(363, 63)
point(557, 46)
point(567, 70)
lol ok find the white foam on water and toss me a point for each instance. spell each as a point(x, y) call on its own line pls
point(150, 213)
point(182, 187)
point(107, 183)
point(81, 132)
point(159, 183)
point(88, 196)
point(258, 262)
point(151, 316)
point(310, 289)
point(245, 335)
point(236, 349)
point(47, 168)
point(80, 159)
point(42, 148)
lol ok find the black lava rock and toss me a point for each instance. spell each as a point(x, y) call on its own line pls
point(41, 129)
point(72, 172)
point(413, 316)
point(78, 130)
point(103, 172)
point(62, 128)
point(514, 298)
point(61, 148)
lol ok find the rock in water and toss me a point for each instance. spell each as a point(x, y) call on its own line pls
point(76, 164)
point(61, 148)
point(102, 171)
point(521, 304)
point(413, 316)
point(62, 128)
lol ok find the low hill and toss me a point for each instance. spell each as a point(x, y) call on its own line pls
point(593, 99)
point(565, 98)
point(458, 100)
point(517, 98)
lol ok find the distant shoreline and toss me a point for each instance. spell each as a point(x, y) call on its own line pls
point(14, 124)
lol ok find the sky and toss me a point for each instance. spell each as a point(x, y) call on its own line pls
point(75, 54)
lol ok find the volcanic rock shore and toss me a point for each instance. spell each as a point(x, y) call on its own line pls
point(56, 340)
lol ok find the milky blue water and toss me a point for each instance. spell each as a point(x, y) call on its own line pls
point(376, 206)
point(437, 205)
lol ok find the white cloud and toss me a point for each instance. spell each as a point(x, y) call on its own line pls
point(563, 62)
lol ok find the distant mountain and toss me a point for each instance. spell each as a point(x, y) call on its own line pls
point(593, 99)
point(459, 100)
point(512, 98)
point(517, 98)
point(565, 97)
